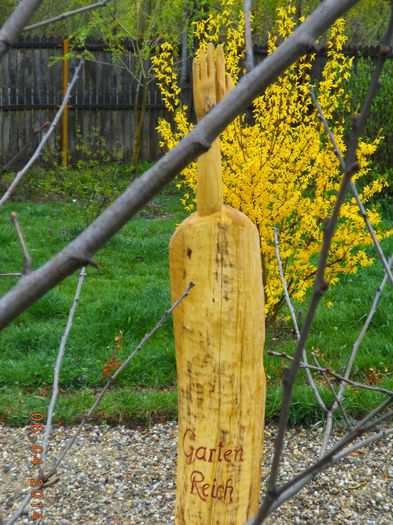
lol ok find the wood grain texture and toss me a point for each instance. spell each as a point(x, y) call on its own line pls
point(219, 334)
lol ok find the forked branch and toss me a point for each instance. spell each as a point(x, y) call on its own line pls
point(68, 14)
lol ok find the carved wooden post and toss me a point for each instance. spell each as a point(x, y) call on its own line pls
point(219, 335)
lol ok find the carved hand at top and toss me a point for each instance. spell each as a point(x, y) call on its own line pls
point(210, 82)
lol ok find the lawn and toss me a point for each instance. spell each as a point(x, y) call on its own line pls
point(125, 299)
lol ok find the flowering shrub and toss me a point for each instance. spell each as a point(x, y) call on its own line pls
point(281, 170)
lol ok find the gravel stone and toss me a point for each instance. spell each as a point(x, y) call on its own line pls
point(117, 475)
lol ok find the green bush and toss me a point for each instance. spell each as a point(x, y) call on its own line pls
point(380, 121)
point(96, 179)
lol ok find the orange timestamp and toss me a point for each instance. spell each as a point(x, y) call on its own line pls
point(37, 491)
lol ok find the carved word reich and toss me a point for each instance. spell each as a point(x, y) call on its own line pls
point(210, 490)
point(200, 486)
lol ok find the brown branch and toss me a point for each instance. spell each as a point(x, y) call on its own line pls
point(337, 400)
point(19, 510)
point(66, 15)
point(141, 190)
point(16, 22)
point(320, 286)
point(341, 450)
point(293, 486)
point(26, 256)
point(44, 139)
point(60, 355)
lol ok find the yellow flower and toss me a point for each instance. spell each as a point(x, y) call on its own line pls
point(280, 170)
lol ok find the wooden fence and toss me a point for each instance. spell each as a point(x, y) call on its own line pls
point(103, 101)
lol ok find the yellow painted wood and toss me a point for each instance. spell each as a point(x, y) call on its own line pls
point(219, 335)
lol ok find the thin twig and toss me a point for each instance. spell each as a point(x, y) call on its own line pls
point(339, 451)
point(46, 477)
point(26, 256)
point(250, 62)
point(114, 376)
point(284, 285)
point(60, 355)
point(66, 15)
point(44, 139)
point(354, 190)
point(15, 516)
point(365, 327)
point(364, 443)
point(295, 323)
point(331, 388)
point(355, 349)
point(333, 374)
point(10, 274)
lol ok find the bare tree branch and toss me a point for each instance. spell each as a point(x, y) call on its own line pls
point(26, 256)
point(19, 510)
point(337, 400)
point(320, 286)
point(293, 486)
point(10, 274)
point(74, 255)
point(66, 15)
point(354, 190)
point(16, 22)
point(295, 323)
point(44, 139)
point(250, 62)
point(364, 443)
point(114, 376)
point(355, 349)
point(60, 355)
point(45, 477)
point(334, 374)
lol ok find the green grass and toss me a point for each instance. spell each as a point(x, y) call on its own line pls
point(127, 296)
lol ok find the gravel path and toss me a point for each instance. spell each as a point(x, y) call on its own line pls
point(124, 476)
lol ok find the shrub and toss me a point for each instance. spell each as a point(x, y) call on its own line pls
point(95, 180)
point(279, 169)
point(380, 120)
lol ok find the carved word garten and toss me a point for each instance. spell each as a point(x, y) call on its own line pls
point(199, 484)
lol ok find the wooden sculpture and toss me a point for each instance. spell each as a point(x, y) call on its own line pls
point(219, 336)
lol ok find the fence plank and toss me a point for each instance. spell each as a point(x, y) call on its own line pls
point(104, 98)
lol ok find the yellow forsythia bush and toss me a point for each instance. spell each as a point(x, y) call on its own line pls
point(280, 170)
